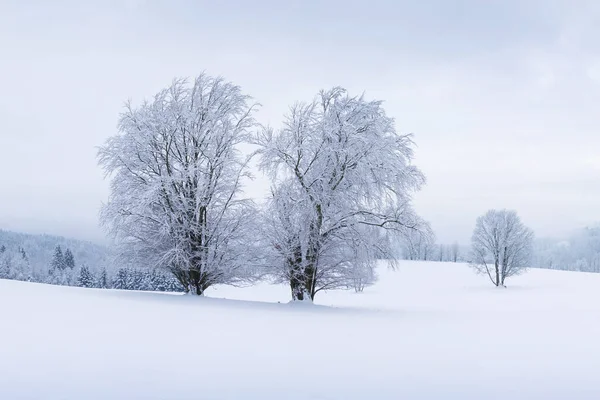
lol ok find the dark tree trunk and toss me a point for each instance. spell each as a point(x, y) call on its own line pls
point(298, 287)
point(302, 266)
point(497, 282)
point(302, 284)
point(298, 282)
point(195, 286)
point(192, 280)
point(504, 266)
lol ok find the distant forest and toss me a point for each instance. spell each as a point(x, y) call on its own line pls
point(579, 252)
point(63, 261)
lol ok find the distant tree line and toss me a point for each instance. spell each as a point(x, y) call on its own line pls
point(421, 245)
point(63, 270)
point(579, 252)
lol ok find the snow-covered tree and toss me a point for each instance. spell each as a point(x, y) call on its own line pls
point(418, 244)
point(442, 252)
point(102, 279)
point(454, 252)
point(176, 183)
point(85, 279)
point(501, 245)
point(120, 281)
point(343, 181)
point(23, 254)
point(58, 260)
point(58, 273)
point(5, 265)
point(135, 280)
point(158, 282)
point(363, 273)
point(21, 266)
point(68, 259)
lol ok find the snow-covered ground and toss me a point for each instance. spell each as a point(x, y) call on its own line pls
point(426, 331)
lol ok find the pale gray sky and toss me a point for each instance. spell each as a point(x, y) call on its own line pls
point(502, 96)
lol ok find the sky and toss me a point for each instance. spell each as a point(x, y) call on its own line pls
point(502, 96)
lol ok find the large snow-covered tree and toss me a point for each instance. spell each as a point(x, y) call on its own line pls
point(501, 245)
point(177, 172)
point(343, 181)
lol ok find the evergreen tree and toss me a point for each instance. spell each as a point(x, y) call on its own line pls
point(134, 280)
point(158, 281)
point(120, 281)
point(2, 249)
point(103, 280)
point(173, 285)
point(146, 280)
point(21, 268)
point(86, 278)
point(23, 254)
point(58, 260)
point(69, 260)
point(4, 268)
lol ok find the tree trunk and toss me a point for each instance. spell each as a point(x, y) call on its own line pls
point(298, 282)
point(302, 285)
point(504, 266)
point(497, 282)
point(299, 291)
point(193, 281)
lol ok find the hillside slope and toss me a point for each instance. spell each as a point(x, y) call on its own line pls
point(427, 331)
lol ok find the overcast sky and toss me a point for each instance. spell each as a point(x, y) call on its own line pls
point(503, 96)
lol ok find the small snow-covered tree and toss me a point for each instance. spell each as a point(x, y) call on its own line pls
point(363, 271)
point(133, 279)
point(501, 245)
point(343, 181)
point(442, 253)
point(177, 173)
point(158, 281)
point(454, 252)
point(120, 281)
point(69, 260)
point(418, 244)
point(102, 279)
point(21, 266)
point(5, 264)
point(85, 279)
point(23, 254)
point(58, 260)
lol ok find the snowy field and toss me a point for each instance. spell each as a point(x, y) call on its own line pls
point(427, 331)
